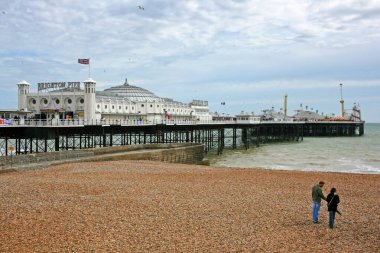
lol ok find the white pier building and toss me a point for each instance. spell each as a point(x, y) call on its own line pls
point(124, 103)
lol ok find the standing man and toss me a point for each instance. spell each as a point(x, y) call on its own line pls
point(317, 195)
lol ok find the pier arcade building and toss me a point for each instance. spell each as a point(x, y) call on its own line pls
point(123, 103)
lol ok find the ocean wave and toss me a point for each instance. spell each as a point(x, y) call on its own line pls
point(374, 160)
point(366, 168)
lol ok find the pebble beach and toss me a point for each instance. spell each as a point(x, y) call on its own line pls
point(145, 206)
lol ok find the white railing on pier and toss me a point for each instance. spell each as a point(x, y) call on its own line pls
point(81, 122)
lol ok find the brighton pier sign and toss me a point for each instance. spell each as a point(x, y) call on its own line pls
point(58, 85)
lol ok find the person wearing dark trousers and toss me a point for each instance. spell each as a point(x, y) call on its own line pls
point(332, 206)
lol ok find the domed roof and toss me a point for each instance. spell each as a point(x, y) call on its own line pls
point(131, 92)
point(24, 82)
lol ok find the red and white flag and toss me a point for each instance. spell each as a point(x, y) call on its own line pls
point(84, 61)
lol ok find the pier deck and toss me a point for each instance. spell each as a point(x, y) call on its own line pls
point(36, 138)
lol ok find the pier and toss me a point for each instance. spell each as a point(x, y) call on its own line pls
point(36, 136)
point(62, 116)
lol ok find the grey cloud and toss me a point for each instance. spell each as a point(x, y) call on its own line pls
point(191, 45)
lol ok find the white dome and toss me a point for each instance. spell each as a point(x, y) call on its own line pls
point(89, 80)
point(130, 92)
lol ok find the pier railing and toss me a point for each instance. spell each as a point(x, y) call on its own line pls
point(102, 122)
point(81, 122)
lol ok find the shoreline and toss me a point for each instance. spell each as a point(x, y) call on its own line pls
point(297, 170)
point(51, 165)
point(146, 206)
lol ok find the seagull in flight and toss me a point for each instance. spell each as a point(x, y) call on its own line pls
point(141, 7)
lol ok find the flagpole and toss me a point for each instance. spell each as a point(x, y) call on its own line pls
point(87, 62)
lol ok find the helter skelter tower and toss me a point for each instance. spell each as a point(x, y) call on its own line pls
point(341, 99)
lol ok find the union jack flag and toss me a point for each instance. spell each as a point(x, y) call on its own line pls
point(84, 61)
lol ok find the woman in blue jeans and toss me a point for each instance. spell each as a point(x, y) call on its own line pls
point(332, 205)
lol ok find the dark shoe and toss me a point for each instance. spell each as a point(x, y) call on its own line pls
point(316, 222)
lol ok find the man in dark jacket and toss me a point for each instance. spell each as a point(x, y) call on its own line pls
point(317, 195)
point(332, 206)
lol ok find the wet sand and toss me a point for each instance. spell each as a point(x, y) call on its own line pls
point(143, 206)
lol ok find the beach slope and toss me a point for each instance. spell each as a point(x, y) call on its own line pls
point(144, 206)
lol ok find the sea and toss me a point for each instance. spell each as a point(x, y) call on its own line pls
point(359, 154)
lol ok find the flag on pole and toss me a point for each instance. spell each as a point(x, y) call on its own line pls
point(84, 61)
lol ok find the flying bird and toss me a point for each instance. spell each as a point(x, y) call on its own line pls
point(141, 7)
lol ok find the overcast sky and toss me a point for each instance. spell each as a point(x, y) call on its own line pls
point(248, 54)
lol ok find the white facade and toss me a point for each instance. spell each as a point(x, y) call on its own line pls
point(200, 110)
point(247, 118)
point(51, 103)
point(124, 103)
